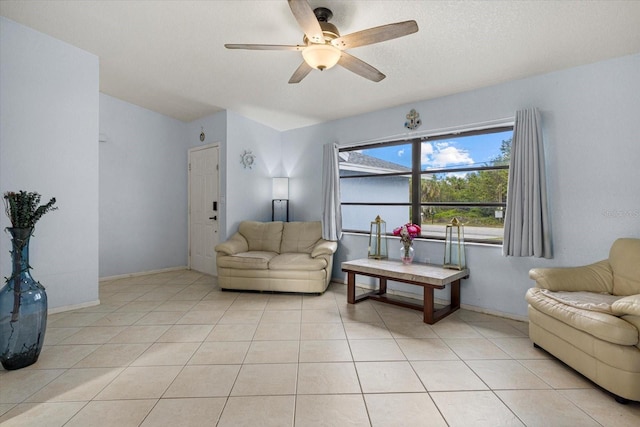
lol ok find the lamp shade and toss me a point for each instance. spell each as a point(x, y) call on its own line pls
point(321, 56)
point(280, 189)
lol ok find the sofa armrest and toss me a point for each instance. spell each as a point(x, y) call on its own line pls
point(324, 247)
point(235, 245)
point(627, 305)
point(596, 277)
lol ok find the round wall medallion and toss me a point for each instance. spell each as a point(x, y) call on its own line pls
point(247, 158)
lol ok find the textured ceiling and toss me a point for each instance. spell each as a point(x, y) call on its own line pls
point(168, 56)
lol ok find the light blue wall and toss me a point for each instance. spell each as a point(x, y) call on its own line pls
point(215, 130)
point(49, 144)
point(144, 181)
point(49, 119)
point(245, 192)
point(143, 189)
point(591, 129)
point(248, 191)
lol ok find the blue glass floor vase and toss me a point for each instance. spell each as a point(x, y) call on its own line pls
point(23, 308)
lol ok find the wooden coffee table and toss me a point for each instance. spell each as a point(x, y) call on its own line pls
point(428, 276)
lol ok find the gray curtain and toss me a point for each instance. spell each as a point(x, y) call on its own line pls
point(526, 224)
point(331, 214)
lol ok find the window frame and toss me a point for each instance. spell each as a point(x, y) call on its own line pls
point(417, 173)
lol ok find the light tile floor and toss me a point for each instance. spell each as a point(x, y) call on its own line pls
point(172, 349)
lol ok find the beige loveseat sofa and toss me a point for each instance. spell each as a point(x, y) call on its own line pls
point(589, 318)
point(276, 256)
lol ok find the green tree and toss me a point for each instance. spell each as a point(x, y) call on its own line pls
point(429, 192)
point(480, 186)
point(505, 153)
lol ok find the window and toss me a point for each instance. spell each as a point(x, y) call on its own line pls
point(429, 181)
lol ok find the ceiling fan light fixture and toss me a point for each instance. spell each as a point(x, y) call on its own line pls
point(321, 56)
point(323, 47)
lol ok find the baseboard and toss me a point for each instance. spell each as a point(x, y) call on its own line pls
point(443, 302)
point(142, 273)
point(73, 307)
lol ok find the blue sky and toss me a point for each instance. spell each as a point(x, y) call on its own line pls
point(464, 151)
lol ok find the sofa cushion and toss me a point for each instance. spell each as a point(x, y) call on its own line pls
point(236, 244)
point(623, 257)
point(585, 300)
point(324, 247)
point(252, 260)
point(627, 305)
point(297, 262)
point(601, 325)
point(300, 237)
point(635, 321)
point(596, 277)
point(262, 236)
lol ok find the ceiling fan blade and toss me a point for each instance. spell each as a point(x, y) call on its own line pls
point(264, 47)
point(360, 67)
point(307, 20)
point(300, 73)
point(375, 35)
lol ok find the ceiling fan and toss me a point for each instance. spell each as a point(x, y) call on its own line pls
point(324, 47)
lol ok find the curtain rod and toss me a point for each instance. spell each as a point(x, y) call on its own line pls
point(433, 132)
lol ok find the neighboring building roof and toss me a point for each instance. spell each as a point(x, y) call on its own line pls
point(359, 162)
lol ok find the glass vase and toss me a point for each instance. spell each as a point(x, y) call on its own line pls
point(23, 308)
point(406, 253)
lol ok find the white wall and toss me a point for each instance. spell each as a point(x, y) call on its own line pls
point(143, 189)
point(49, 144)
point(591, 127)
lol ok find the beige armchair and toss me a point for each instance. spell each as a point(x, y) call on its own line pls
point(589, 317)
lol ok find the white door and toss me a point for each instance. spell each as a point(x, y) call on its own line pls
point(203, 208)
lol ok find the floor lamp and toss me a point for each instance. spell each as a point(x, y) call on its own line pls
point(280, 197)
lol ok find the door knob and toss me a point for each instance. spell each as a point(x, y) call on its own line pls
point(213, 217)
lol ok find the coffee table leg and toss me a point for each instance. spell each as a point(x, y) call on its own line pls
point(428, 305)
point(351, 287)
point(455, 294)
point(383, 286)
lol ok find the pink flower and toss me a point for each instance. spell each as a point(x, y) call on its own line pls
point(407, 232)
point(414, 230)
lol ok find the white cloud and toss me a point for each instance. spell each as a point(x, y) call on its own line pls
point(443, 154)
point(425, 152)
point(401, 152)
point(452, 156)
